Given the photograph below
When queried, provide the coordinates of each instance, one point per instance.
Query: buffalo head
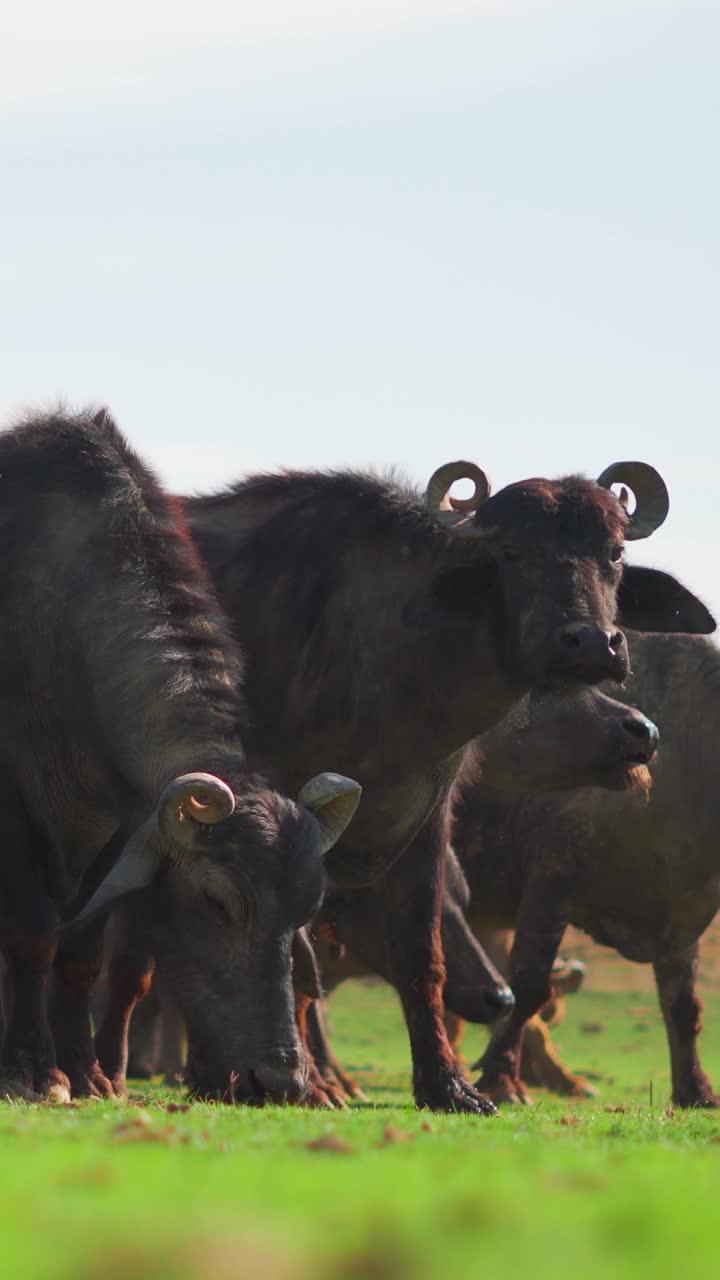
(544, 566)
(235, 873)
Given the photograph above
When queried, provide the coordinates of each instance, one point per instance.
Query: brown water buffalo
(638, 874)
(389, 628)
(123, 731)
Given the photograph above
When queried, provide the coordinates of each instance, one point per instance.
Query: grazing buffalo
(124, 724)
(641, 875)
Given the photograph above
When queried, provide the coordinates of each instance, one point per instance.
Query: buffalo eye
(617, 553)
(510, 553)
(218, 906)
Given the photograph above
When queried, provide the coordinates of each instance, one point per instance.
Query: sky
(305, 233)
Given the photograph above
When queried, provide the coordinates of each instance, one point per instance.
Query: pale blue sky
(316, 234)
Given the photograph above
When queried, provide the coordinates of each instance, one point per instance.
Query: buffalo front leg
(77, 965)
(409, 902)
(540, 1064)
(318, 1092)
(129, 979)
(327, 1064)
(539, 929)
(29, 1067)
(676, 979)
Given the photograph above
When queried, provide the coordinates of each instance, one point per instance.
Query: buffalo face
(555, 742)
(557, 557)
(231, 949)
(235, 873)
(543, 566)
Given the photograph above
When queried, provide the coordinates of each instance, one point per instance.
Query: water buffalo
(389, 628)
(123, 727)
(640, 876)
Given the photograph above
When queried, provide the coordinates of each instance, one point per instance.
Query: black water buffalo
(640, 875)
(389, 629)
(123, 729)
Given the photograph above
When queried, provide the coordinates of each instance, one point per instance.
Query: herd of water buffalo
(179, 676)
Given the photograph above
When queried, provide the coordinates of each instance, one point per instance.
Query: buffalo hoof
(52, 1086)
(504, 1090)
(453, 1094)
(336, 1083)
(316, 1097)
(118, 1084)
(336, 1096)
(91, 1083)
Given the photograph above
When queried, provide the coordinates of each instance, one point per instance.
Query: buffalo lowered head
(245, 873)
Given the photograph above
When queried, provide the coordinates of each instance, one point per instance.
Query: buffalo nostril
(645, 732)
(501, 998)
(616, 641)
(639, 728)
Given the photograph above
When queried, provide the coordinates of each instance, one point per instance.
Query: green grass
(551, 1191)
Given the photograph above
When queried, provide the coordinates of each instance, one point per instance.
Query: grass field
(618, 1186)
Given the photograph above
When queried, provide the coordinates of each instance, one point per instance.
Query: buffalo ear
(650, 600)
(136, 868)
(305, 970)
(332, 799)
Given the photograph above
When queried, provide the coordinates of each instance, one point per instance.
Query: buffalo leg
(327, 1064)
(129, 979)
(540, 1064)
(77, 965)
(29, 1067)
(173, 1036)
(681, 1006)
(539, 929)
(455, 1028)
(318, 1092)
(144, 1037)
(409, 903)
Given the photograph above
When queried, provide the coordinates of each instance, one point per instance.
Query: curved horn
(455, 512)
(651, 496)
(332, 799)
(192, 801)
